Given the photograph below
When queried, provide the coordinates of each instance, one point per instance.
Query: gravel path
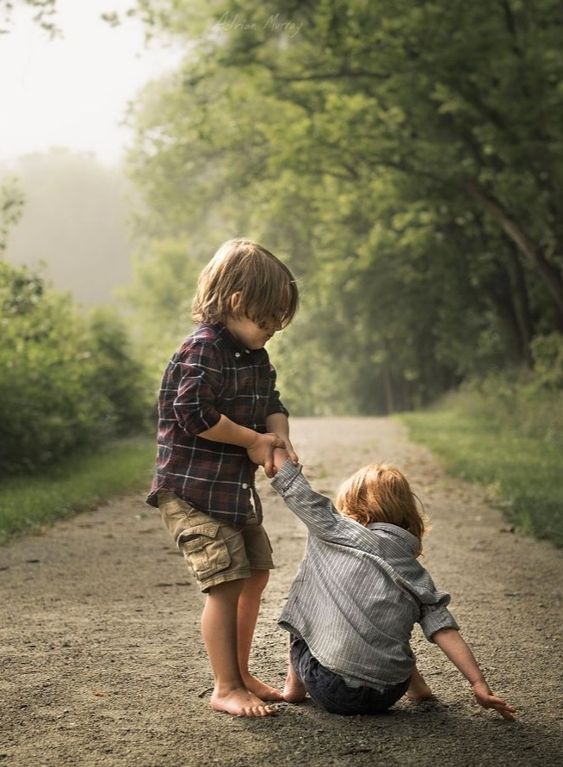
(102, 661)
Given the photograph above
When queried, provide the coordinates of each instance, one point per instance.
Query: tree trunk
(531, 250)
(387, 388)
(519, 295)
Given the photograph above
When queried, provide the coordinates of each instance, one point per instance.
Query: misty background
(74, 227)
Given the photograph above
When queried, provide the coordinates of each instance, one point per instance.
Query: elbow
(195, 422)
(436, 621)
(442, 633)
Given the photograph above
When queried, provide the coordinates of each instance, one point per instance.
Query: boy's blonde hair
(266, 290)
(381, 493)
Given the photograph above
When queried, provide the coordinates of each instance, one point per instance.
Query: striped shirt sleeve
(324, 522)
(436, 617)
(316, 511)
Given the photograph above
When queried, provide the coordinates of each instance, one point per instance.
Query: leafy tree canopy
(404, 158)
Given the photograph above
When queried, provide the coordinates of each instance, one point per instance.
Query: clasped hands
(261, 451)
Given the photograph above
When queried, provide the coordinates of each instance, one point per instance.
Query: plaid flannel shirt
(212, 374)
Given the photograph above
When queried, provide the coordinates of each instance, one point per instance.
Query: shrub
(123, 379)
(58, 379)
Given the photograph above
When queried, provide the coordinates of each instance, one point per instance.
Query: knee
(258, 581)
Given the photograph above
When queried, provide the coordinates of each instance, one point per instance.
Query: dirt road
(102, 661)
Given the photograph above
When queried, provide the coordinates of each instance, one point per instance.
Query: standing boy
(219, 416)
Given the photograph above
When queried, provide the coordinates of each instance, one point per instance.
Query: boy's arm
(316, 511)
(280, 457)
(458, 651)
(279, 424)
(260, 447)
(196, 412)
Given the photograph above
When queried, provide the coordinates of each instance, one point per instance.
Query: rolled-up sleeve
(316, 511)
(275, 405)
(199, 387)
(437, 616)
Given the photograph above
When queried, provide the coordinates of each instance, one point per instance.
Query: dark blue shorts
(330, 691)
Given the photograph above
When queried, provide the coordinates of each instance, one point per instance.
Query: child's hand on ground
(486, 699)
(261, 451)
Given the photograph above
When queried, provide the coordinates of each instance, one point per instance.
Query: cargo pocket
(174, 512)
(205, 550)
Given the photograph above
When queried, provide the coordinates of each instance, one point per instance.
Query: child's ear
(235, 303)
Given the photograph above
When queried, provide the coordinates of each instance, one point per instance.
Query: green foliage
(75, 484)
(547, 353)
(117, 373)
(62, 379)
(165, 278)
(500, 436)
(524, 400)
(404, 159)
(11, 207)
(46, 406)
(307, 386)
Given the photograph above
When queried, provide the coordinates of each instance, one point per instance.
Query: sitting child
(358, 593)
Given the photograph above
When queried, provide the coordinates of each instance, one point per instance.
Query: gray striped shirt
(359, 590)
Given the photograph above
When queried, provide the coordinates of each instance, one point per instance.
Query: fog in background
(62, 133)
(74, 227)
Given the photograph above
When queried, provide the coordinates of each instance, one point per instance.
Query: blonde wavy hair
(245, 279)
(381, 493)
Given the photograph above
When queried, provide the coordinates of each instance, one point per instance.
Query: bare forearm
(456, 649)
(230, 432)
(260, 447)
(278, 423)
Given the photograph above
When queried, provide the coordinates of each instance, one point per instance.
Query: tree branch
(531, 250)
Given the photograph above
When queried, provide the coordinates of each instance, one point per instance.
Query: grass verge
(522, 472)
(79, 483)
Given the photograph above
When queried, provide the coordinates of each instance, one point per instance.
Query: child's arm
(260, 447)
(280, 457)
(316, 511)
(196, 412)
(458, 651)
(277, 420)
(279, 424)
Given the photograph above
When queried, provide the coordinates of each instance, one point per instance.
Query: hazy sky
(73, 91)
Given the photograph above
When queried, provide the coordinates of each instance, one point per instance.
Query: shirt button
(237, 354)
(244, 486)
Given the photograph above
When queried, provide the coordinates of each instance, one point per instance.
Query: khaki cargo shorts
(215, 552)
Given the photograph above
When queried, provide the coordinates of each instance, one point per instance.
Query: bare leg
(294, 690)
(248, 608)
(418, 689)
(219, 629)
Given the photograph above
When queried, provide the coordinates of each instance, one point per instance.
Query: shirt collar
(233, 343)
(398, 532)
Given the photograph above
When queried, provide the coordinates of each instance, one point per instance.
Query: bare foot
(420, 692)
(294, 690)
(261, 689)
(418, 689)
(239, 702)
(421, 698)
